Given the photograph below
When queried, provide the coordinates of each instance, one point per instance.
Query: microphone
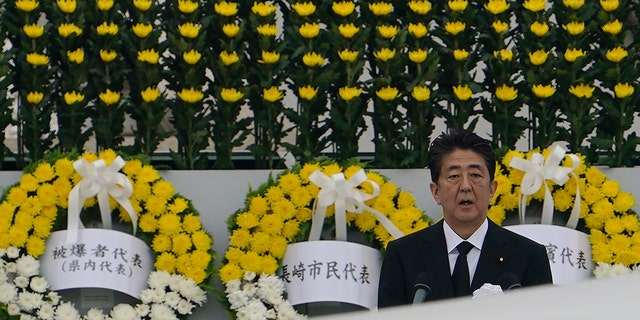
(509, 281)
(422, 288)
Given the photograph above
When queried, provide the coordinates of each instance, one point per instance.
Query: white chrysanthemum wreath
(281, 211)
(37, 205)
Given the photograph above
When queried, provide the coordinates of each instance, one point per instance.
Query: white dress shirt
(476, 239)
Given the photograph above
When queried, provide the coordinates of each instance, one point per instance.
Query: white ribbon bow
(347, 198)
(536, 173)
(103, 181)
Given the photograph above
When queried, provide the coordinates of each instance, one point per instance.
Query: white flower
(158, 295)
(21, 282)
(66, 311)
(143, 310)
(27, 266)
(270, 289)
(287, 312)
(29, 300)
(54, 297)
(46, 312)
(233, 285)
(94, 314)
(13, 252)
(13, 309)
(159, 279)
(184, 307)
(190, 290)
(249, 276)
(605, 270)
(39, 284)
(161, 312)
(254, 310)
(7, 293)
(146, 296)
(237, 299)
(172, 299)
(124, 312)
(10, 267)
(249, 289)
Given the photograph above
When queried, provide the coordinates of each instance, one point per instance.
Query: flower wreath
(37, 205)
(280, 212)
(603, 210)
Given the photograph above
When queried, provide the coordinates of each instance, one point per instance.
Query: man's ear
(494, 187)
(435, 192)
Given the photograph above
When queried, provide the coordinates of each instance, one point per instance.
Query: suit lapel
(438, 258)
(489, 264)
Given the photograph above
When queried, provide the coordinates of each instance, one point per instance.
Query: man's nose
(465, 183)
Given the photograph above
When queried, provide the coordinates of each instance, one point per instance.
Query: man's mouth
(466, 202)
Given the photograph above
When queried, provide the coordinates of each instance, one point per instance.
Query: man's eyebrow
(457, 166)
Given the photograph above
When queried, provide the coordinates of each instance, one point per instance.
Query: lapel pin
(501, 259)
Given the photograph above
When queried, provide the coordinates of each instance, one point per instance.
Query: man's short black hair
(460, 139)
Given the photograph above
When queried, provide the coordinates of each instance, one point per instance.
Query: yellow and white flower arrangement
(37, 205)
(281, 211)
(605, 210)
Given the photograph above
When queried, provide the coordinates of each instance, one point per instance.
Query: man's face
(463, 189)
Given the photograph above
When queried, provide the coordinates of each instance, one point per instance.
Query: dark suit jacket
(503, 251)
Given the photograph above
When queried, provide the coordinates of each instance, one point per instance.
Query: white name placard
(568, 250)
(331, 271)
(101, 258)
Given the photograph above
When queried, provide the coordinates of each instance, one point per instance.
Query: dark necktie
(460, 274)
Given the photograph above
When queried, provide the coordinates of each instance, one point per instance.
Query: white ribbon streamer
(102, 181)
(537, 172)
(346, 197)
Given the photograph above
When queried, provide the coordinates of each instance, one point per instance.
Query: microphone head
(509, 281)
(424, 281)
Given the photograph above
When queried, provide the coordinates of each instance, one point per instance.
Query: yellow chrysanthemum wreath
(37, 205)
(605, 210)
(280, 211)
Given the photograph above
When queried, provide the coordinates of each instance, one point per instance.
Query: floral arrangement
(37, 205)
(280, 212)
(604, 210)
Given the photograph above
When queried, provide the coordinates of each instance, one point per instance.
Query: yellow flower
(534, 5)
(503, 54)
(189, 29)
(387, 31)
(33, 30)
(418, 56)
(229, 58)
(506, 93)
(231, 95)
(539, 28)
(263, 9)
(76, 56)
(231, 30)
(460, 54)
(500, 26)
(609, 5)
(181, 243)
(616, 54)
(192, 56)
(307, 92)
(107, 28)
(457, 5)
(582, 90)
(462, 92)
(388, 93)
(348, 55)
(225, 8)
(309, 30)
(142, 30)
(109, 97)
(27, 5)
(542, 91)
(269, 30)
(269, 57)
(36, 59)
(34, 97)
(272, 94)
(304, 9)
(380, 8)
(348, 30)
(73, 97)
(623, 90)
(149, 56)
(418, 30)
(187, 6)
(420, 7)
(421, 93)
(108, 55)
(142, 5)
(150, 94)
(538, 57)
(497, 6)
(349, 93)
(105, 5)
(573, 4)
(343, 8)
(67, 6)
(612, 27)
(574, 28)
(572, 54)
(454, 27)
(312, 59)
(161, 243)
(67, 29)
(385, 54)
(190, 95)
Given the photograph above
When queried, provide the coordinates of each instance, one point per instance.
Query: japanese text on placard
(319, 270)
(100, 259)
(565, 255)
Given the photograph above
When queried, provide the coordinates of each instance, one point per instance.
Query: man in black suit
(462, 168)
